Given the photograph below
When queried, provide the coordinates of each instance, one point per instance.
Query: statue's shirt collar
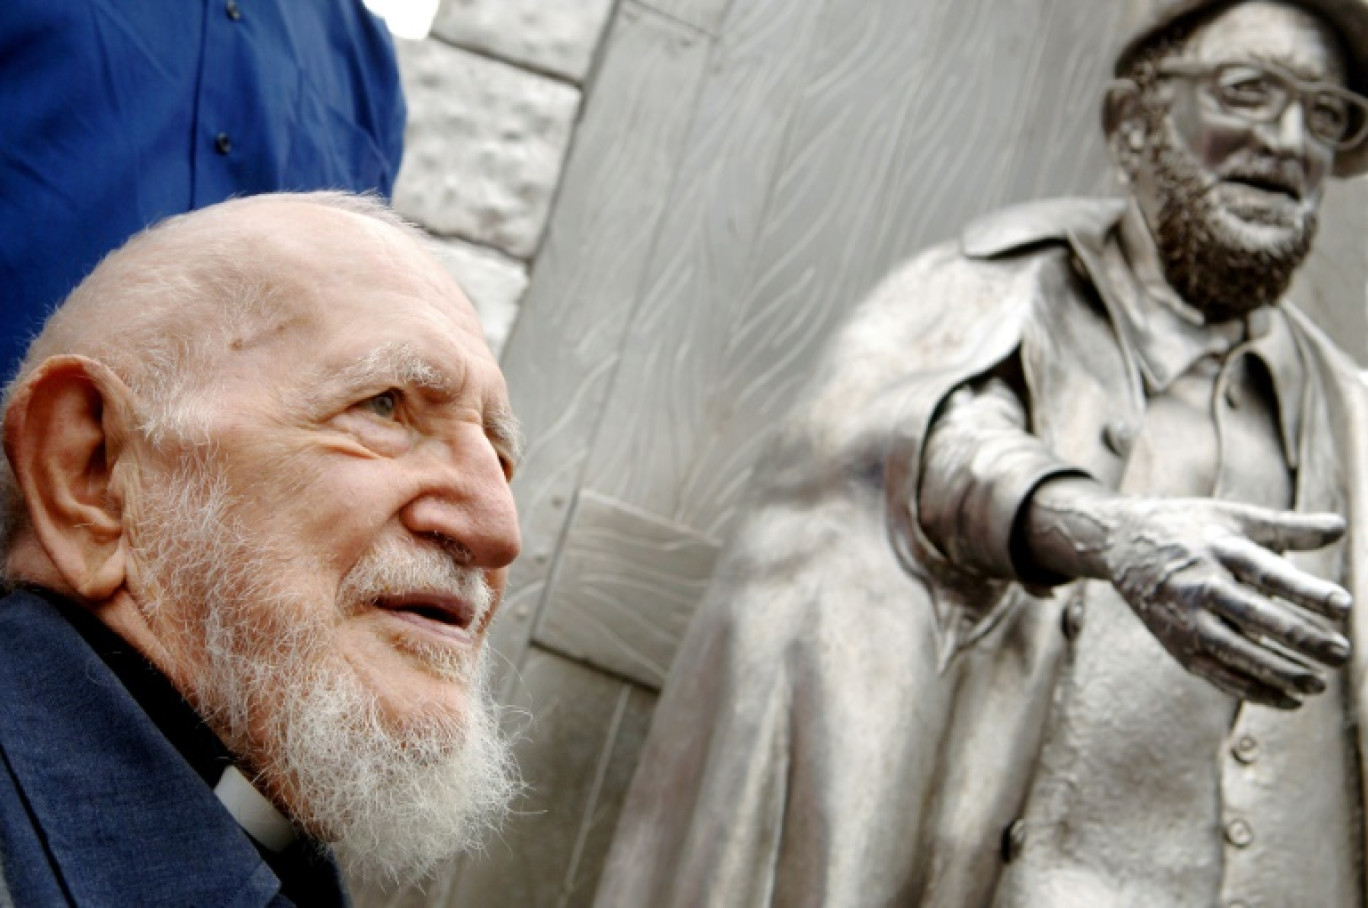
(1168, 338)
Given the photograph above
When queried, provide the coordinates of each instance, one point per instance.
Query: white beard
(393, 805)
(393, 802)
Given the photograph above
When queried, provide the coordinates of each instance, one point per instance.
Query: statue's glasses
(1260, 93)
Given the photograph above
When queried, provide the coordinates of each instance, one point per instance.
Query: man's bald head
(161, 310)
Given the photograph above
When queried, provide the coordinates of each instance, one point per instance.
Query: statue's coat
(852, 720)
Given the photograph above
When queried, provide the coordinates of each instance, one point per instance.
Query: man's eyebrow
(1304, 72)
(502, 428)
(399, 364)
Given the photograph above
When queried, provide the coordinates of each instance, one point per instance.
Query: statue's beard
(1217, 265)
(394, 802)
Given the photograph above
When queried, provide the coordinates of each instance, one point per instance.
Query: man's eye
(382, 405)
(1244, 88)
(1330, 116)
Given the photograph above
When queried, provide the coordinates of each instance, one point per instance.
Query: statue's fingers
(1279, 622)
(1276, 576)
(1245, 657)
(1284, 531)
(1240, 685)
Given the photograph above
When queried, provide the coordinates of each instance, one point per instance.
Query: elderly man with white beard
(257, 522)
(1045, 601)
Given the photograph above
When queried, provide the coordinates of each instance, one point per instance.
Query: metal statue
(1045, 600)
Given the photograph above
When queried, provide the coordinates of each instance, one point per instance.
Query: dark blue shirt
(117, 113)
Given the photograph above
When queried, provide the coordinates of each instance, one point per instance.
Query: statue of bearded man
(1044, 601)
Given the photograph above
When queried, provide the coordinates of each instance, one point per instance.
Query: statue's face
(1264, 178)
(1232, 198)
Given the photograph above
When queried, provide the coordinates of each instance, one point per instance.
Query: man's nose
(1287, 133)
(466, 499)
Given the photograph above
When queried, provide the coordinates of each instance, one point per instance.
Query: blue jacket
(97, 807)
(116, 114)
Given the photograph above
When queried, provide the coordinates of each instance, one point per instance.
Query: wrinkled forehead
(1263, 31)
(342, 286)
(328, 270)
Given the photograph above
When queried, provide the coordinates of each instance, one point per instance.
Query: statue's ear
(1123, 123)
(65, 433)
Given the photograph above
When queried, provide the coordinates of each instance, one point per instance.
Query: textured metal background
(743, 173)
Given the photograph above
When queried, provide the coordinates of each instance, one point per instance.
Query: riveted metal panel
(626, 584)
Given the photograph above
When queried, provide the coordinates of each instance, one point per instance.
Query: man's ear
(65, 431)
(1123, 123)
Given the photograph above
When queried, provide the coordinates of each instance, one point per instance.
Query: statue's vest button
(1071, 619)
(1118, 437)
(1246, 749)
(1013, 840)
(1239, 833)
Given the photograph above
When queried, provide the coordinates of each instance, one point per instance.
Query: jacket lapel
(124, 817)
(1342, 453)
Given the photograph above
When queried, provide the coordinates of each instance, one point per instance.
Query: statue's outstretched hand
(1205, 578)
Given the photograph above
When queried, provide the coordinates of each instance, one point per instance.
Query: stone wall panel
(484, 146)
(555, 36)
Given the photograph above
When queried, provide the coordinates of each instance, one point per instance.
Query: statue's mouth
(1270, 186)
(1281, 181)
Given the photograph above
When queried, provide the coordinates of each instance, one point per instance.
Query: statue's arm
(979, 468)
(1204, 575)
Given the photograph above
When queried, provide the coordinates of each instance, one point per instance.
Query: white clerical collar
(254, 812)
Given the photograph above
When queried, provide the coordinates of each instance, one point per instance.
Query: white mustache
(1278, 171)
(391, 570)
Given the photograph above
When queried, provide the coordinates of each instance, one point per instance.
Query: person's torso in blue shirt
(115, 114)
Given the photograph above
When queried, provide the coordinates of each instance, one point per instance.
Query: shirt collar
(254, 812)
(1276, 347)
(1168, 337)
